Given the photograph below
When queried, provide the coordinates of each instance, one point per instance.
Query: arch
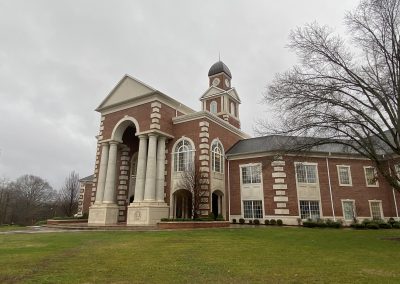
(217, 156)
(183, 154)
(122, 125)
(182, 204)
(213, 107)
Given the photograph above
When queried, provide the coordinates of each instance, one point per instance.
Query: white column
(151, 169)
(109, 192)
(141, 169)
(101, 182)
(160, 169)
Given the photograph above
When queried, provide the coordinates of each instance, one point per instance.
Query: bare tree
(345, 91)
(69, 194)
(33, 196)
(193, 181)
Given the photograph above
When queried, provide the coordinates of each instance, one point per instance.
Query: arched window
(213, 107)
(217, 155)
(183, 156)
(233, 112)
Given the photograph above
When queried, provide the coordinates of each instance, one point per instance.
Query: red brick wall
(359, 191)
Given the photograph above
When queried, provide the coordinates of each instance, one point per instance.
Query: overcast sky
(59, 59)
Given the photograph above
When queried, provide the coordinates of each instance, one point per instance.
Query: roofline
(210, 116)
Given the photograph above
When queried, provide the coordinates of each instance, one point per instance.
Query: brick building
(148, 139)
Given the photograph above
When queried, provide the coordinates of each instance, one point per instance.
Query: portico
(148, 205)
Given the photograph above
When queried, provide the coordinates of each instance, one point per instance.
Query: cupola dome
(219, 67)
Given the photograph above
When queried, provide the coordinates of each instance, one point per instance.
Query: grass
(5, 228)
(248, 255)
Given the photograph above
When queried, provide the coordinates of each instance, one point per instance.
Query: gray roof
(219, 67)
(86, 179)
(279, 143)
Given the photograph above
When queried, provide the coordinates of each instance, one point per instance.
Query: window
(183, 156)
(309, 209)
(306, 173)
(348, 210)
(233, 112)
(376, 210)
(370, 176)
(344, 175)
(252, 209)
(251, 174)
(213, 107)
(397, 169)
(217, 160)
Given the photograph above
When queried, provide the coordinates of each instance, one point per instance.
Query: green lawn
(248, 255)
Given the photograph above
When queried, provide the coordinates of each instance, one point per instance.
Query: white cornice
(146, 98)
(213, 118)
(250, 155)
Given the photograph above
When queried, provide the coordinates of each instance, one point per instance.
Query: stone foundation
(104, 214)
(146, 213)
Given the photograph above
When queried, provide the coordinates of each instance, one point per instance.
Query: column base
(146, 213)
(104, 214)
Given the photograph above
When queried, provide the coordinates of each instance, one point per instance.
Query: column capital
(161, 137)
(142, 136)
(152, 134)
(104, 143)
(113, 142)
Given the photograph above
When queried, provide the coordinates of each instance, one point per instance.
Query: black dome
(219, 67)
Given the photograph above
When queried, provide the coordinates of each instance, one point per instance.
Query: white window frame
(215, 153)
(380, 207)
(214, 107)
(251, 176)
(366, 179)
(307, 164)
(319, 208)
(191, 155)
(252, 207)
(348, 172)
(354, 209)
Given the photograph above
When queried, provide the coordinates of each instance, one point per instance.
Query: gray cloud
(59, 59)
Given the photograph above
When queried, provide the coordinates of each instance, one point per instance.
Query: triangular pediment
(128, 88)
(211, 92)
(232, 92)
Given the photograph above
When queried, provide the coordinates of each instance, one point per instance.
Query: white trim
(213, 118)
(365, 176)
(380, 207)
(307, 164)
(174, 150)
(118, 132)
(216, 140)
(249, 155)
(354, 208)
(348, 172)
(260, 184)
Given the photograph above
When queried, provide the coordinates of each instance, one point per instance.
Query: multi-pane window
(344, 175)
(213, 107)
(376, 210)
(183, 156)
(217, 160)
(306, 173)
(251, 174)
(252, 209)
(309, 209)
(348, 210)
(370, 176)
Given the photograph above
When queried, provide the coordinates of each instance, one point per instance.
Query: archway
(182, 204)
(216, 199)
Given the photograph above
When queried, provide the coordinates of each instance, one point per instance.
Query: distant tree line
(30, 199)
